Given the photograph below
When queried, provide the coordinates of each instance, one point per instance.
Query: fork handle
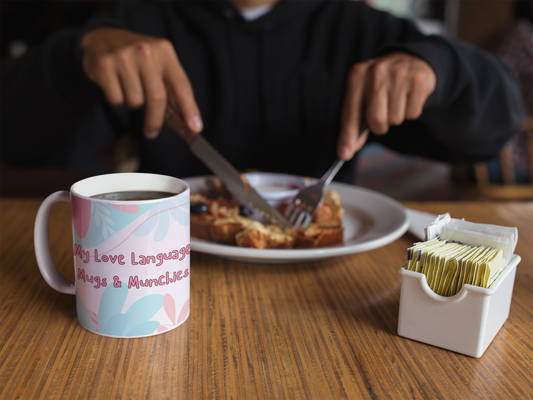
(328, 176)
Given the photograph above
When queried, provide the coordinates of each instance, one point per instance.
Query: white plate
(371, 220)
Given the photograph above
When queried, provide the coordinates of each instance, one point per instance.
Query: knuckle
(399, 73)
(379, 74)
(380, 68)
(164, 45)
(121, 57)
(419, 79)
(143, 48)
(102, 65)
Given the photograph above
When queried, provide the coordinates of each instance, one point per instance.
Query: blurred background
(503, 27)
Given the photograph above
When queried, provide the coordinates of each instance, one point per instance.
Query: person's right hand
(138, 70)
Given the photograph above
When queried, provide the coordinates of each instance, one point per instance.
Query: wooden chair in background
(509, 189)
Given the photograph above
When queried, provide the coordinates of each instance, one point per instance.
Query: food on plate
(217, 217)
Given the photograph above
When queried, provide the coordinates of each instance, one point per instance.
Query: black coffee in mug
(133, 196)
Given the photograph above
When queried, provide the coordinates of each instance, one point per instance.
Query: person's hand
(382, 92)
(138, 70)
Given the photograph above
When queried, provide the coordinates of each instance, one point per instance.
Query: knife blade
(202, 149)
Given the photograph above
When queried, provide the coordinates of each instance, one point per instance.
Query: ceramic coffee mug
(131, 245)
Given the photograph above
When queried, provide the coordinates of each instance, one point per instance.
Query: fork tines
(299, 214)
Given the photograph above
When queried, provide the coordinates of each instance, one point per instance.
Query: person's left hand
(382, 92)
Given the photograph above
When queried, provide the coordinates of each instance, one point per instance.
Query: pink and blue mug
(131, 247)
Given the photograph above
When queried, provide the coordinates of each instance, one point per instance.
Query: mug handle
(42, 246)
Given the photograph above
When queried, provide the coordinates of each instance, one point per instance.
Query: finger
(417, 96)
(174, 122)
(155, 96)
(180, 87)
(422, 84)
(352, 112)
(130, 80)
(397, 98)
(107, 78)
(377, 99)
(361, 139)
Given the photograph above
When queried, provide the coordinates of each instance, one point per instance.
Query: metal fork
(300, 211)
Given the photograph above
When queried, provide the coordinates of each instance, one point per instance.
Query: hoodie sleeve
(45, 97)
(31, 94)
(475, 109)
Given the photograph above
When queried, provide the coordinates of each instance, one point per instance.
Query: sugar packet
(459, 252)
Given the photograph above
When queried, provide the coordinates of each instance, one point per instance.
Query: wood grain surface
(314, 330)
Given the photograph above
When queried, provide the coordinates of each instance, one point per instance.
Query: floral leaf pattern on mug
(136, 321)
(116, 325)
(144, 310)
(106, 220)
(102, 218)
(111, 303)
(184, 312)
(170, 307)
(158, 218)
(181, 215)
(83, 314)
(81, 215)
(146, 328)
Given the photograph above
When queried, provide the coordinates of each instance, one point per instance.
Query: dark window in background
(26, 24)
(437, 9)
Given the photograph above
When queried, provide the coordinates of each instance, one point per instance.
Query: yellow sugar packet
(424, 253)
(451, 287)
(442, 259)
(473, 264)
(490, 268)
(448, 266)
(466, 265)
(447, 282)
(414, 252)
(451, 265)
(434, 260)
(476, 279)
(456, 265)
(431, 261)
(459, 252)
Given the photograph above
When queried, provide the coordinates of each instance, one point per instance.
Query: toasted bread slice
(220, 222)
(217, 221)
(262, 236)
(318, 235)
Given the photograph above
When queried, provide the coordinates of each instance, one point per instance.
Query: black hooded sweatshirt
(270, 91)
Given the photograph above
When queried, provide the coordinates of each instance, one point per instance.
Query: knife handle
(174, 121)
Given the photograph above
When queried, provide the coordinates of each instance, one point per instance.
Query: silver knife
(223, 169)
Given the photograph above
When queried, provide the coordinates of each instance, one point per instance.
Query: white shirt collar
(249, 14)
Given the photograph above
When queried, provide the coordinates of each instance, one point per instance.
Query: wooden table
(316, 330)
